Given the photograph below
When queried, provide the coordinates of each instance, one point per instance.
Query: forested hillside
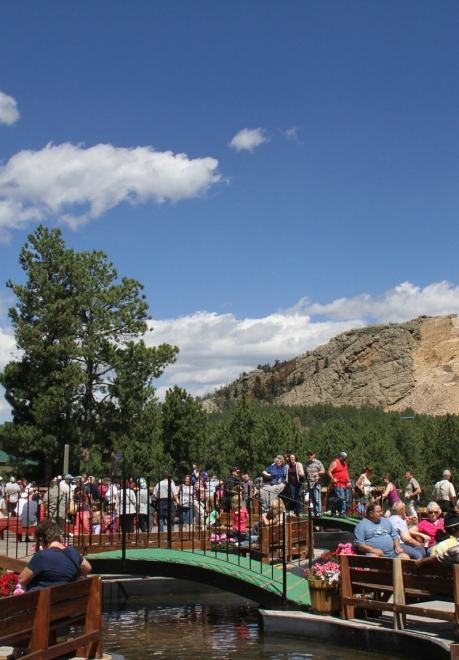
(251, 435)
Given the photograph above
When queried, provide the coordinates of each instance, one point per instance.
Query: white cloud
(5, 411)
(216, 348)
(291, 133)
(75, 184)
(404, 301)
(9, 113)
(248, 139)
(8, 350)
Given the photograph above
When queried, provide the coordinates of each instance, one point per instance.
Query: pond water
(205, 625)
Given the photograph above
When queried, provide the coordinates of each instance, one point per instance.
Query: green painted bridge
(261, 582)
(342, 523)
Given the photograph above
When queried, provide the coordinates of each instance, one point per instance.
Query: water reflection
(203, 625)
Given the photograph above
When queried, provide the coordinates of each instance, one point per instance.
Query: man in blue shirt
(375, 537)
(276, 472)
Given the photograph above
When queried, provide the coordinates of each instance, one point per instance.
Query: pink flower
(328, 572)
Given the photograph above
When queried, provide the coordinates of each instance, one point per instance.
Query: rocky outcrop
(396, 366)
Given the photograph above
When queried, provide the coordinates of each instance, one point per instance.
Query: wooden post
(347, 611)
(454, 650)
(456, 601)
(66, 460)
(93, 619)
(399, 593)
(40, 631)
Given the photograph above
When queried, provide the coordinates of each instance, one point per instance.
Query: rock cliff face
(396, 366)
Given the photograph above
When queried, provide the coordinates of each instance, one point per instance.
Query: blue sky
(350, 194)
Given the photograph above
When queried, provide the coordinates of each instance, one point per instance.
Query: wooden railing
(369, 583)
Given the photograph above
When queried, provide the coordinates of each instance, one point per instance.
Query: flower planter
(325, 598)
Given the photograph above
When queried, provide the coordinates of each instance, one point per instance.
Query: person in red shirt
(340, 482)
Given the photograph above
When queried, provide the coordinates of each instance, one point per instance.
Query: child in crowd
(239, 517)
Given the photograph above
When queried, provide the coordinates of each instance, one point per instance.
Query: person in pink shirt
(429, 527)
(239, 517)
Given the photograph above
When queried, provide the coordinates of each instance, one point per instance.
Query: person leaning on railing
(55, 562)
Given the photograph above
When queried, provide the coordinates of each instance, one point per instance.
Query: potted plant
(8, 584)
(323, 581)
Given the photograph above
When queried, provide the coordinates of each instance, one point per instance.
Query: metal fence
(256, 526)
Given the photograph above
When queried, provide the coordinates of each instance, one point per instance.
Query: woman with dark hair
(295, 478)
(55, 562)
(390, 494)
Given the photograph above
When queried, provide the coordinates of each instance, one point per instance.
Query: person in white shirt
(128, 509)
(165, 494)
(12, 490)
(413, 548)
(444, 493)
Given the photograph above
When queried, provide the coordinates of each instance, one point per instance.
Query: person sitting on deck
(375, 537)
(451, 555)
(451, 527)
(428, 528)
(268, 519)
(277, 472)
(266, 493)
(411, 546)
(55, 563)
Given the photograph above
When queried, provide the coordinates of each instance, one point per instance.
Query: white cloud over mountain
(405, 301)
(216, 348)
(9, 113)
(247, 139)
(75, 184)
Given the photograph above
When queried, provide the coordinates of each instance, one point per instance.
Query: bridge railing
(254, 528)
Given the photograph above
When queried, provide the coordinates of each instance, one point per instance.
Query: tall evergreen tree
(74, 324)
(185, 430)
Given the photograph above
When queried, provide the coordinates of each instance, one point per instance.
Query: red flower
(8, 582)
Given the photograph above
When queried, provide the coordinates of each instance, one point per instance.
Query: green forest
(86, 377)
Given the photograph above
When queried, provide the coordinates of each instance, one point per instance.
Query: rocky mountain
(395, 366)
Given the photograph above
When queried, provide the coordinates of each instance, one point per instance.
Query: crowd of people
(105, 505)
(389, 524)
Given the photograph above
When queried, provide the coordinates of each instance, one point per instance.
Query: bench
(272, 541)
(370, 582)
(298, 538)
(33, 620)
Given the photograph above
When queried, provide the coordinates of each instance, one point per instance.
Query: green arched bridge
(258, 581)
(342, 523)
